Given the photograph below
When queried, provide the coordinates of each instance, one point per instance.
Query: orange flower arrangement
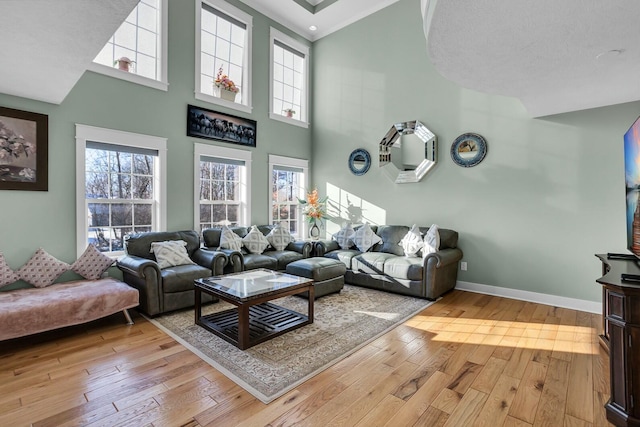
(313, 207)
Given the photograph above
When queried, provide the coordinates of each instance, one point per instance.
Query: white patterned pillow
(412, 242)
(364, 238)
(7, 275)
(344, 237)
(230, 240)
(42, 269)
(171, 253)
(431, 240)
(92, 263)
(279, 238)
(254, 241)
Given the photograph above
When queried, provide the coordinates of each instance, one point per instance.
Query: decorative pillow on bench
(7, 275)
(92, 263)
(42, 269)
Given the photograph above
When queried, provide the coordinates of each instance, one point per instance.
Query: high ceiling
(555, 56)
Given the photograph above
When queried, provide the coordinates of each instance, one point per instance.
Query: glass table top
(252, 283)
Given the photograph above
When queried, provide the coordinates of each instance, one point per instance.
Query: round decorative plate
(359, 161)
(468, 149)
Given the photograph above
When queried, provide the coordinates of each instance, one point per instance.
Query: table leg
(311, 298)
(243, 326)
(198, 303)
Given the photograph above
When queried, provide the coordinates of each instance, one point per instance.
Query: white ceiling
(555, 56)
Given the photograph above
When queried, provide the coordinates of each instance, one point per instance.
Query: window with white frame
(223, 54)
(287, 184)
(222, 190)
(289, 79)
(138, 49)
(121, 186)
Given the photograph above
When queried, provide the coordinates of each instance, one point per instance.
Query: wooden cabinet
(621, 333)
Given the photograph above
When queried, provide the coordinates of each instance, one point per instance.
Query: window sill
(289, 120)
(223, 102)
(123, 75)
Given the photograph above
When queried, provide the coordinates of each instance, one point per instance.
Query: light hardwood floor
(468, 360)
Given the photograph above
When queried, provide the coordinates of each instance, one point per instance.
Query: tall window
(138, 47)
(223, 48)
(120, 186)
(221, 186)
(288, 183)
(289, 79)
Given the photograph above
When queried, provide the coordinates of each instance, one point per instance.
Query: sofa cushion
(343, 255)
(412, 242)
(448, 238)
(42, 269)
(279, 238)
(409, 268)
(254, 241)
(370, 262)
(365, 238)
(317, 268)
(391, 236)
(255, 261)
(283, 258)
(7, 275)
(180, 277)
(344, 236)
(92, 263)
(230, 240)
(171, 253)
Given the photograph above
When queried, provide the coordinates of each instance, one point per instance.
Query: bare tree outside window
(219, 194)
(285, 190)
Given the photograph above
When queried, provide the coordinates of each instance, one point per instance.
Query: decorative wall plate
(359, 161)
(468, 149)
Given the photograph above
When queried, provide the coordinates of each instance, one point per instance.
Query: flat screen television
(632, 185)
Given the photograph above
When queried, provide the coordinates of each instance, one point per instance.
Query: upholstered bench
(327, 273)
(32, 310)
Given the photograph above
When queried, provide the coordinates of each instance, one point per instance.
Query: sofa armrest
(440, 272)
(235, 259)
(301, 247)
(444, 257)
(144, 275)
(325, 246)
(213, 260)
(137, 266)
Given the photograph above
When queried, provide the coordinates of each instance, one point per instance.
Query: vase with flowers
(123, 63)
(224, 87)
(289, 112)
(314, 208)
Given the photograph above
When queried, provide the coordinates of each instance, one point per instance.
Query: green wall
(29, 220)
(531, 216)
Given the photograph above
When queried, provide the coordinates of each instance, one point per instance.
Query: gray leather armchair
(171, 288)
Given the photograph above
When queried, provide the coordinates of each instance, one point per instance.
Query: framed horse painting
(24, 140)
(208, 124)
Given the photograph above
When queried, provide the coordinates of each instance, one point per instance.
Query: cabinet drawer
(615, 305)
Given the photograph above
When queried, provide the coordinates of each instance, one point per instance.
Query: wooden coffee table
(254, 320)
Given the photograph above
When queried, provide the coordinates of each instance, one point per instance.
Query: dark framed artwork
(208, 124)
(24, 140)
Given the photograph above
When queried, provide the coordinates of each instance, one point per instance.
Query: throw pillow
(364, 238)
(230, 240)
(92, 263)
(412, 242)
(279, 237)
(7, 275)
(42, 269)
(254, 241)
(171, 253)
(431, 240)
(344, 237)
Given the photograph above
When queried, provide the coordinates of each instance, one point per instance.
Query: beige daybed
(29, 311)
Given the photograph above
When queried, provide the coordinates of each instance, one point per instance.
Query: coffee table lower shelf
(266, 321)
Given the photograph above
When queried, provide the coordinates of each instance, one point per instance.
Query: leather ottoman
(327, 274)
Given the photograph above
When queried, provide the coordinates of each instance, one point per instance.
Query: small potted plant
(225, 87)
(289, 112)
(123, 63)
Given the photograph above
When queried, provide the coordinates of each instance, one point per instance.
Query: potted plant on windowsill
(123, 63)
(289, 112)
(224, 87)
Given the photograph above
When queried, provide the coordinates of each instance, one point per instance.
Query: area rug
(343, 323)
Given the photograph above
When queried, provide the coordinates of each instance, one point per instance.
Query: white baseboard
(554, 300)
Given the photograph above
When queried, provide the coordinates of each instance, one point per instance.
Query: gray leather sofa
(171, 288)
(243, 260)
(385, 267)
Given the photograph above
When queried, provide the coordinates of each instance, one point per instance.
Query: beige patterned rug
(343, 323)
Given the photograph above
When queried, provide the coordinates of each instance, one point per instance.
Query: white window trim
(223, 153)
(86, 133)
(275, 160)
(236, 13)
(163, 83)
(294, 44)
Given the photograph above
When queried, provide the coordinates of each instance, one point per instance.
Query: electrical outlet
(463, 266)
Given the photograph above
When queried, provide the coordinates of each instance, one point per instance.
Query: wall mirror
(408, 152)
(359, 161)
